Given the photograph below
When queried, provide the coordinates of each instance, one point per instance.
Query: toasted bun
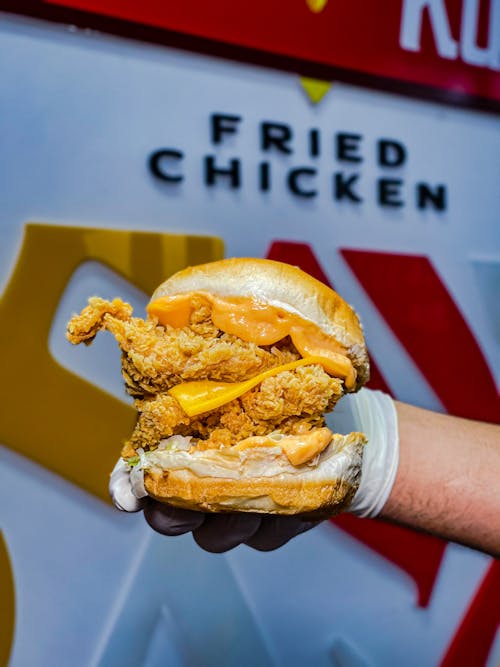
(283, 286)
(317, 491)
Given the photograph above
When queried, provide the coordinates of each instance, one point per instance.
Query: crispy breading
(83, 328)
(156, 357)
(291, 401)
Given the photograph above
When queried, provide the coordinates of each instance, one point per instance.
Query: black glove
(220, 532)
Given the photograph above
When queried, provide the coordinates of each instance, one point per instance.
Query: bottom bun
(260, 481)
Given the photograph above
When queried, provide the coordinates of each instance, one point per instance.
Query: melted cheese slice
(205, 395)
(260, 323)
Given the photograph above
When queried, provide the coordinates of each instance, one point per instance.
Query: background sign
(452, 46)
(82, 116)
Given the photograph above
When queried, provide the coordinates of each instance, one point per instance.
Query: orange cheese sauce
(260, 323)
(297, 448)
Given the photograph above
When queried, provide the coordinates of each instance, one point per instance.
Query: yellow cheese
(259, 323)
(205, 395)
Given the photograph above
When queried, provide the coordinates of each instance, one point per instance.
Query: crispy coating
(291, 401)
(156, 357)
(83, 328)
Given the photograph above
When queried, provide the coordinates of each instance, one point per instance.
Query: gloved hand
(371, 412)
(213, 532)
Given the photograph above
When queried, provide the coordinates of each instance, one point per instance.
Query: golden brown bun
(320, 491)
(280, 285)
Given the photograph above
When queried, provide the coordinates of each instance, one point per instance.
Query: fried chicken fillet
(155, 358)
(210, 347)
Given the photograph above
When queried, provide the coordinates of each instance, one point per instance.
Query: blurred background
(360, 141)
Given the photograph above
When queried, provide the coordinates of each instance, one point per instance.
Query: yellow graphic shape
(49, 414)
(316, 6)
(7, 603)
(315, 89)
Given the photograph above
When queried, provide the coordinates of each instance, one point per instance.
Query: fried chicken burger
(232, 372)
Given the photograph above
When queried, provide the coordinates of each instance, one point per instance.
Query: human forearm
(428, 471)
(448, 479)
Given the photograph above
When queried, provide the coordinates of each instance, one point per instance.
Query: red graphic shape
(298, 254)
(377, 379)
(353, 37)
(301, 255)
(412, 299)
(473, 640)
(418, 555)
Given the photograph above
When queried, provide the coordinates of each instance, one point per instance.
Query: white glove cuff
(375, 415)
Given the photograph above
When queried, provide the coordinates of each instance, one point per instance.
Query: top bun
(283, 286)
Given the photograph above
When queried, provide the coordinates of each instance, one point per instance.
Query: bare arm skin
(447, 484)
(448, 480)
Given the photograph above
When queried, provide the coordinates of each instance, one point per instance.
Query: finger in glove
(120, 489)
(275, 531)
(221, 532)
(171, 521)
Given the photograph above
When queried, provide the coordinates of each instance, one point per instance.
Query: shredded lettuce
(133, 461)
